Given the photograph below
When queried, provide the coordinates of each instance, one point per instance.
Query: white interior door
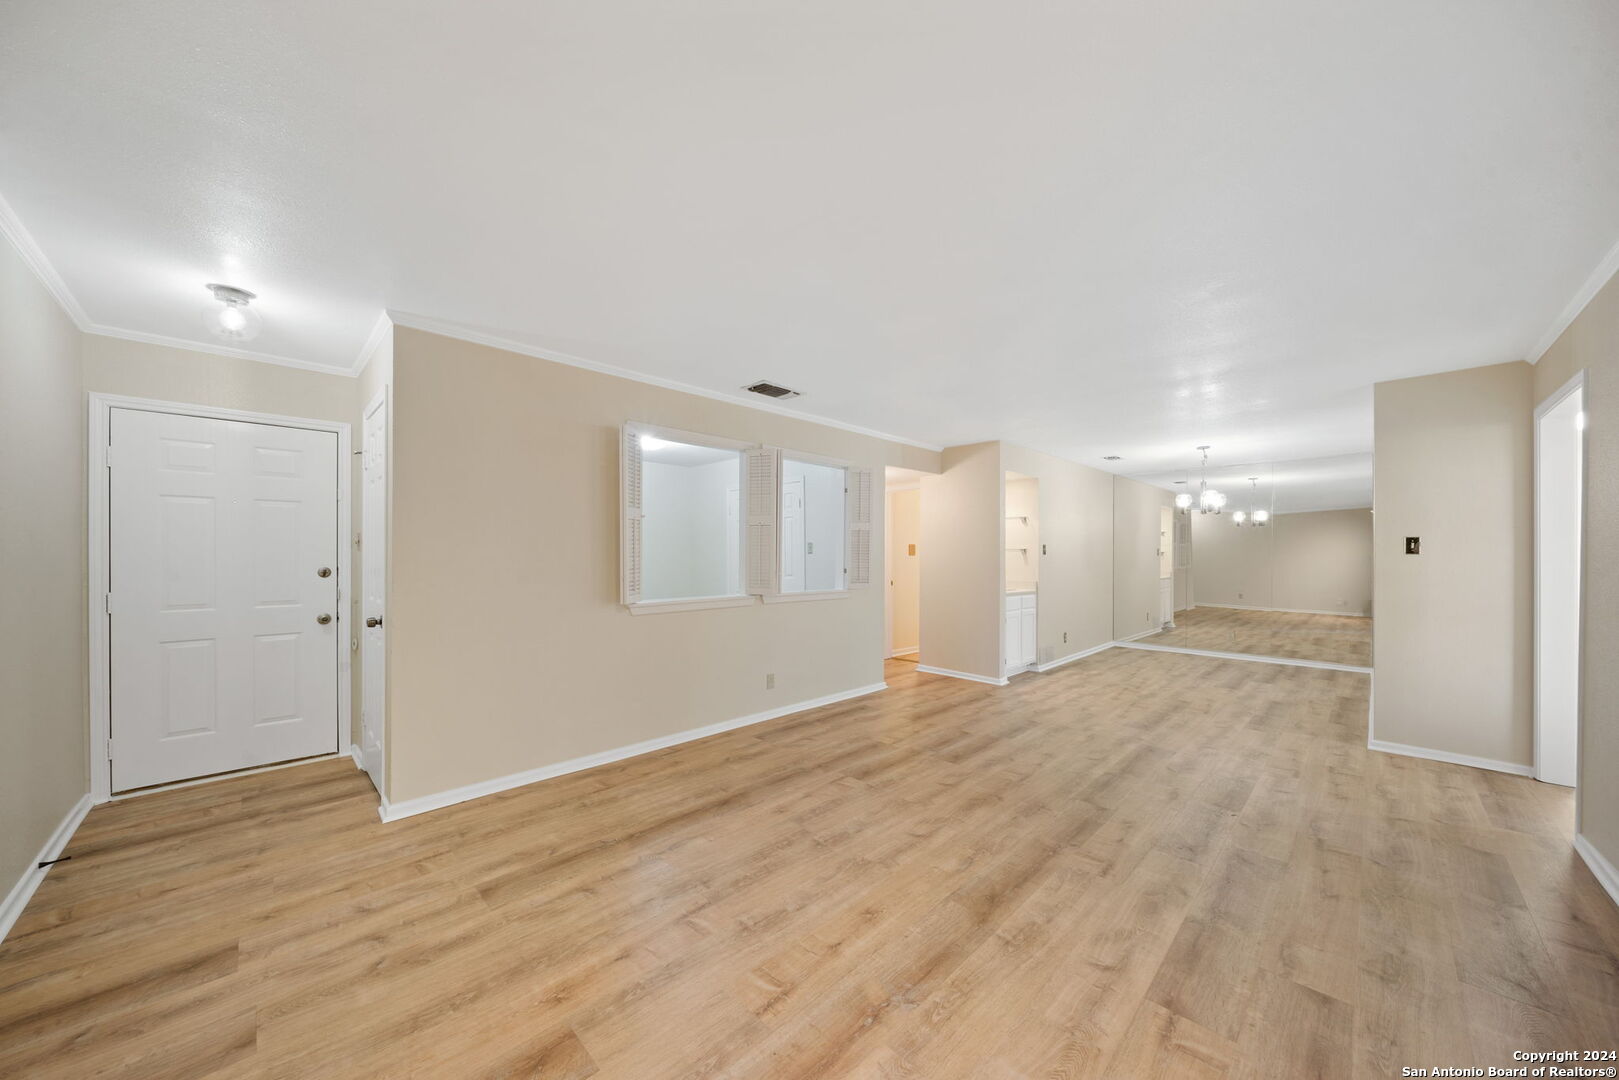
(219, 531)
(1559, 462)
(792, 536)
(373, 588)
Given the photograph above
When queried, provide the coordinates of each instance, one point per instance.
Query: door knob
(323, 619)
(373, 620)
(325, 571)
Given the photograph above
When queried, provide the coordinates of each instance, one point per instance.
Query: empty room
(900, 541)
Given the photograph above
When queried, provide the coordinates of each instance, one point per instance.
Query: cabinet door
(1027, 635)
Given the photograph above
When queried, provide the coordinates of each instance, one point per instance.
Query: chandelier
(1255, 514)
(1209, 500)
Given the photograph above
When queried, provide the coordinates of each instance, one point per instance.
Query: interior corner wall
(1453, 637)
(1591, 344)
(509, 649)
(963, 560)
(1136, 527)
(1076, 569)
(43, 722)
(1318, 560)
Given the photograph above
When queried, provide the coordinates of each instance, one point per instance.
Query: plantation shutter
(857, 551)
(763, 549)
(630, 524)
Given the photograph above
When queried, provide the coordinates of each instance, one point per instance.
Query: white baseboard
(1137, 637)
(23, 891)
(903, 652)
(1607, 876)
(1453, 759)
(1288, 610)
(969, 676)
(1287, 661)
(354, 752)
(1071, 657)
(421, 805)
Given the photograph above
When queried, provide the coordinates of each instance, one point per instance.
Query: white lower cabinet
(1018, 642)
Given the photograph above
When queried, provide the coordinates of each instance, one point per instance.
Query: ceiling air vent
(771, 390)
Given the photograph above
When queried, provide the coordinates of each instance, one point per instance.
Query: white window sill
(794, 597)
(658, 607)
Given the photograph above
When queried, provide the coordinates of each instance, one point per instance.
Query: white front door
(220, 531)
(373, 588)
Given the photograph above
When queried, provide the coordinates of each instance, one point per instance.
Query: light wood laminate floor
(1336, 639)
(1141, 864)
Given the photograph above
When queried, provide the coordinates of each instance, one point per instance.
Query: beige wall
(1314, 561)
(962, 565)
(1075, 607)
(1591, 344)
(1452, 638)
(1136, 524)
(509, 649)
(963, 540)
(42, 599)
(1022, 531)
(904, 568)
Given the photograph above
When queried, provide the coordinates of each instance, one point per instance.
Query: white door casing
(374, 588)
(1559, 501)
(217, 532)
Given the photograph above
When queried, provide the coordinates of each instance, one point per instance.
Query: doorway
(903, 532)
(216, 571)
(374, 589)
(1559, 509)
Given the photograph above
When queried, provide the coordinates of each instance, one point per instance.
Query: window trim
(701, 603)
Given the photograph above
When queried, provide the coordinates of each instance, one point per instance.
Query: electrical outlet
(1065, 637)
(770, 681)
(1239, 596)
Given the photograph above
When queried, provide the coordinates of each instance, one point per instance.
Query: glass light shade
(1261, 517)
(230, 316)
(1212, 501)
(1183, 500)
(1240, 518)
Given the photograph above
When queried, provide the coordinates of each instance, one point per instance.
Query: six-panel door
(220, 531)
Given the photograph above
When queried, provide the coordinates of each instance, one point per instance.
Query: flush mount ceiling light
(1209, 501)
(229, 317)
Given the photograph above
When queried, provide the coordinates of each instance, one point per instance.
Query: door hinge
(109, 749)
(108, 456)
(109, 603)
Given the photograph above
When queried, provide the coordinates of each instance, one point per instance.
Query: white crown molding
(410, 807)
(379, 330)
(480, 337)
(23, 890)
(34, 256)
(216, 350)
(1604, 272)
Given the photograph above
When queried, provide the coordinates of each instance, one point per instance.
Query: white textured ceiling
(1090, 228)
